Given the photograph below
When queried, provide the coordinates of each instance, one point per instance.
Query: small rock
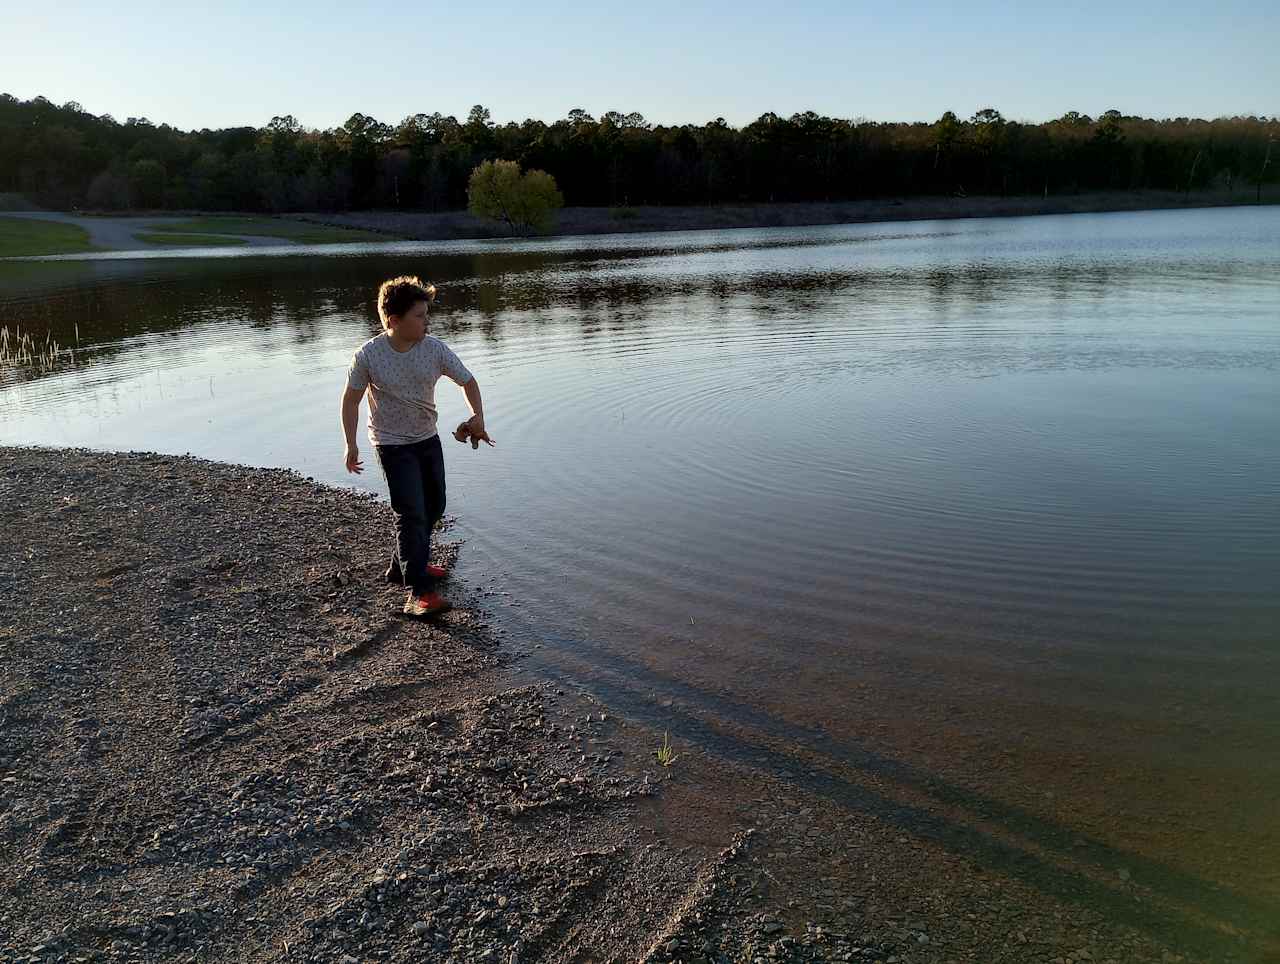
(421, 928)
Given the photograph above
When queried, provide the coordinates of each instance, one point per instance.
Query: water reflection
(798, 275)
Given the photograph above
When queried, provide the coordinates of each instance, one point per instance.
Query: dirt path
(121, 234)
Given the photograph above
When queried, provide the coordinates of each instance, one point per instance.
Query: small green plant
(666, 753)
(526, 202)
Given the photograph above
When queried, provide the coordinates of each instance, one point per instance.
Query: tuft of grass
(666, 753)
(21, 350)
(187, 240)
(300, 232)
(25, 237)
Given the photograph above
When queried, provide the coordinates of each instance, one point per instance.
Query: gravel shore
(220, 741)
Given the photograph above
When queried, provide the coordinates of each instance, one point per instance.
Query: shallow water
(989, 508)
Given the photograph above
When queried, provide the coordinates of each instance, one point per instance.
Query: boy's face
(412, 325)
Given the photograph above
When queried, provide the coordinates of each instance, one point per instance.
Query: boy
(399, 369)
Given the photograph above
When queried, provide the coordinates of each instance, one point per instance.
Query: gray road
(119, 234)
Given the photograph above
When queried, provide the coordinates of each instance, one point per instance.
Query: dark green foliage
(64, 157)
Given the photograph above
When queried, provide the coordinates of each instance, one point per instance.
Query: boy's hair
(398, 295)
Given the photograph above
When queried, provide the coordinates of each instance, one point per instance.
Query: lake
(986, 512)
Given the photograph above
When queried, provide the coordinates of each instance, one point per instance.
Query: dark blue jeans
(415, 480)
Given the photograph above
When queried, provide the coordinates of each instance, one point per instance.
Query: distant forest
(64, 157)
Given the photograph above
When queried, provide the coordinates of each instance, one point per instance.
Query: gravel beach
(220, 741)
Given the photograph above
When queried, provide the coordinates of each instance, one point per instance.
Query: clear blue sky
(235, 63)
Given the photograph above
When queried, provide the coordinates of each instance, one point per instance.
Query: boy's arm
(350, 416)
(472, 390)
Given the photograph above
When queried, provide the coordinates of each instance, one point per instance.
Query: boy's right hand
(353, 460)
(466, 432)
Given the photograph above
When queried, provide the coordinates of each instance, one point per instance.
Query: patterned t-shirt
(402, 386)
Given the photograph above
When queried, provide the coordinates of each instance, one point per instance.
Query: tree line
(64, 157)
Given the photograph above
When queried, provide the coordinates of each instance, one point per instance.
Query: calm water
(984, 512)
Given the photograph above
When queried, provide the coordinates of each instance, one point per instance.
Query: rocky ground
(220, 741)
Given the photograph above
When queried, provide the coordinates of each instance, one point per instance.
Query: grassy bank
(26, 236)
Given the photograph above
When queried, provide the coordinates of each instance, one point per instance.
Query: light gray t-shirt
(402, 386)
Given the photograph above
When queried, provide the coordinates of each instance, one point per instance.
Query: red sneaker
(428, 604)
(393, 574)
